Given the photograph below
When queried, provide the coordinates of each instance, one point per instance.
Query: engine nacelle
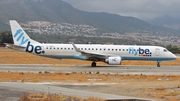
(113, 60)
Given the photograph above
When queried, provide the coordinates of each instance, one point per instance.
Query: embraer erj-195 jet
(110, 54)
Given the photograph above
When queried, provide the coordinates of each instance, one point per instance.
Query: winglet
(77, 50)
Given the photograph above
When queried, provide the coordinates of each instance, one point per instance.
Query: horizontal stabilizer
(16, 47)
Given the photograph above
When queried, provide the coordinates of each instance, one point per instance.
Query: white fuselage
(126, 52)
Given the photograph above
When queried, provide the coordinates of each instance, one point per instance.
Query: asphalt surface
(15, 89)
(35, 87)
(146, 70)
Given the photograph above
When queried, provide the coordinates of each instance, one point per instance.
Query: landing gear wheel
(93, 64)
(158, 64)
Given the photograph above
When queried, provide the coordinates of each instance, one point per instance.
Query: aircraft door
(157, 51)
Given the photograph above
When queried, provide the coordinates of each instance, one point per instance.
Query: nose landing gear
(158, 63)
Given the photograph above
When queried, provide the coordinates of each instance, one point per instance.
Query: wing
(92, 55)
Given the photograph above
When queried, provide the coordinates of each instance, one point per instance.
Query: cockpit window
(165, 50)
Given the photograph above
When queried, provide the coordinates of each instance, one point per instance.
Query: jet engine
(113, 60)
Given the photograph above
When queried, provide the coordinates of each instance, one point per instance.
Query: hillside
(167, 21)
(59, 11)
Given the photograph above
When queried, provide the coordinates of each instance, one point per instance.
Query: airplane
(110, 54)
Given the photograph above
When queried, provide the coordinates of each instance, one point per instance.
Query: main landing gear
(93, 64)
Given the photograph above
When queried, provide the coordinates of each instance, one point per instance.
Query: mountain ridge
(58, 11)
(167, 21)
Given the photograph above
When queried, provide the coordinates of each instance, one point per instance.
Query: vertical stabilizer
(20, 37)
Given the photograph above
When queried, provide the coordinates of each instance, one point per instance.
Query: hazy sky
(143, 9)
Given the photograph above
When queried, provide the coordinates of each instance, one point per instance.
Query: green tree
(5, 37)
(169, 47)
(173, 49)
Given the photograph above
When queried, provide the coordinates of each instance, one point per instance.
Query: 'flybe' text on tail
(20, 37)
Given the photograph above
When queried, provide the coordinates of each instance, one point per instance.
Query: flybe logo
(19, 37)
(36, 49)
(140, 52)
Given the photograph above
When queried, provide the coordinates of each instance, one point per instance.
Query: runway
(120, 69)
(9, 87)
